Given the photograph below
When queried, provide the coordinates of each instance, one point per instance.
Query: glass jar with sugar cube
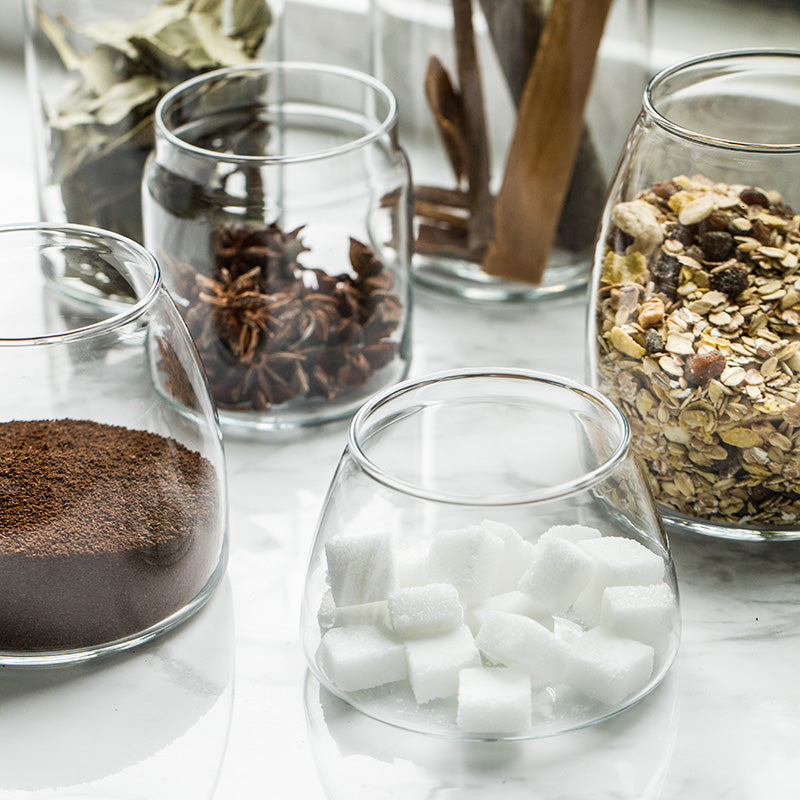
(489, 562)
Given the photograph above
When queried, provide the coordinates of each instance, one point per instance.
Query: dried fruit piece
(702, 367)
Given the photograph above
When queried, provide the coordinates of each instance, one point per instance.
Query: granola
(698, 341)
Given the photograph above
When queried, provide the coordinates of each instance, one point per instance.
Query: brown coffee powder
(104, 531)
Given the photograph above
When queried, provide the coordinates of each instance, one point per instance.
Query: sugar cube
(619, 561)
(572, 533)
(516, 641)
(494, 701)
(411, 564)
(422, 610)
(514, 602)
(644, 613)
(330, 615)
(469, 559)
(360, 568)
(559, 572)
(517, 555)
(608, 668)
(360, 657)
(435, 661)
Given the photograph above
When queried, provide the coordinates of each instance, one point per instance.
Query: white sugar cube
(572, 533)
(608, 668)
(331, 616)
(435, 661)
(360, 568)
(559, 572)
(411, 564)
(514, 602)
(619, 561)
(422, 610)
(644, 613)
(517, 555)
(360, 657)
(517, 641)
(469, 559)
(494, 701)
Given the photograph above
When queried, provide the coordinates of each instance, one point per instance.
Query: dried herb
(458, 222)
(102, 130)
(270, 330)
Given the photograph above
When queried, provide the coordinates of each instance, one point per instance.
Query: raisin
(666, 270)
(702, 367)
(716, 245)
(717, 220)
(753, 197)
(664, 189)
(761, 232)
(732, 280)
(683, 233)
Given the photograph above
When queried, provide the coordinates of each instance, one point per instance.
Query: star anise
(270, 330)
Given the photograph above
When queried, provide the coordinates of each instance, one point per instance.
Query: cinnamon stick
(515, 28)
(546, 140)
(477, 165)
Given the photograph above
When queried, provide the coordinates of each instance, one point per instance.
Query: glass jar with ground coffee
(113, 510)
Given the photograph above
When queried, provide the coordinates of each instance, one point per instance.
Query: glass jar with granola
(695, 308)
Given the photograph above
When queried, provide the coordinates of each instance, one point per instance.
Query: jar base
(53, 658)
(675, 522)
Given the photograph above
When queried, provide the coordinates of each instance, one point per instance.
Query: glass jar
(277, 203)
(469, 564)
(96, 71)
(459, 71)
(113, 519)
(695, 308)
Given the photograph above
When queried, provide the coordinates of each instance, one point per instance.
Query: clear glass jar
(114, 512)
(695, 308)
(96, 70)
(459, 108)
(479, 527)
(277, 203)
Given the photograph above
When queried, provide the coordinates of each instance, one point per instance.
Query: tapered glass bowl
(113, 509)
(489, 563)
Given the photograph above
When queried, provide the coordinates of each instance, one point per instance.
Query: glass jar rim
(379, 89)
(743, 55)
(130, 313)
(558, 491)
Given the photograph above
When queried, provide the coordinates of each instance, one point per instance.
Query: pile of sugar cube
(483, 615)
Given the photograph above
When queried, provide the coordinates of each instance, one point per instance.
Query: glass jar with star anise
(277, 201)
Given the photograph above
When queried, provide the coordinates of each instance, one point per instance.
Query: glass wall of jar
(513, 114)
(479, 529)
(695, 309)
(96, 71)
(277, 201)
(113, 518)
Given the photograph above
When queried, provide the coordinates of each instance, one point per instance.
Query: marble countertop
(222, 708)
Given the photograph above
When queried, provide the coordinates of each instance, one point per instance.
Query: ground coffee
(104, 531)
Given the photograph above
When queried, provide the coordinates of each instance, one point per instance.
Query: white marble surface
(222, 708)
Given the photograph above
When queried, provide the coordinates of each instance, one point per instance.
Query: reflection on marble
(150, 724)
(624, 758)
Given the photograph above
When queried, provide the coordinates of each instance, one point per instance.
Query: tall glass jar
(460, 72)
(113, 508)
(277, 201)
(96, 71)
(695, 308)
